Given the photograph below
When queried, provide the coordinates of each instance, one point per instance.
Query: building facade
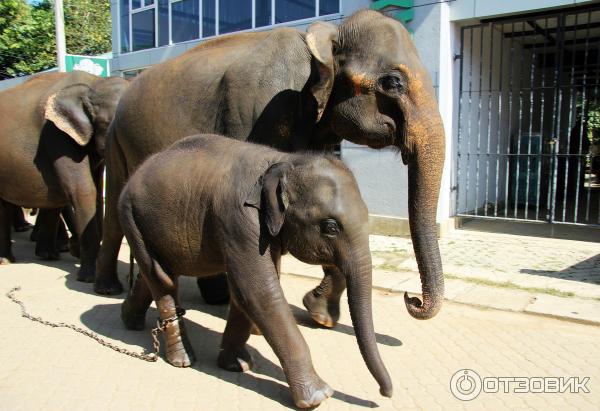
(510, 110)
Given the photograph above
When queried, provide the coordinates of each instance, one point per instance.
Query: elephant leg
(75, 176)
(107, 281)
(84, 206)
(69, 218)
(267, 307)
(214, 290)
(163, 288)
(6, 255)
(62, 237)
(178, 349)
(19, 222)
(135, 306)
(233, 355)
(323, 302)
(47, 228)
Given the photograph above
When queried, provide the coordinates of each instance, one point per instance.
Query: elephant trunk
(359, 282)
(424, 176)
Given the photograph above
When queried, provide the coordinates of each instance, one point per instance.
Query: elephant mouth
(385, 138)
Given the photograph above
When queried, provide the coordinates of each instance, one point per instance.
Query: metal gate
(529, 118)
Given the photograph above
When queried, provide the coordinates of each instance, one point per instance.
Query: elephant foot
(7, 260)
(180, 358)
(73, 247)
(323, 311)
(108, 287)
(48, 255)
(214, 290)
(86, 274)
(238, 360)
(23, 227)
(132, 320)
(311, 394)
(63, 245)
(179, 352)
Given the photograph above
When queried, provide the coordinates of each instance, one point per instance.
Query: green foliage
(27, 39)
(593, 122)
(88, 26)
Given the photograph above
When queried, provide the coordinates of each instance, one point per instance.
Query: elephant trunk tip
(386, 390)
(422, 310)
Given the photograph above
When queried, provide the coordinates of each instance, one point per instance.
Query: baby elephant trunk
(358, 275)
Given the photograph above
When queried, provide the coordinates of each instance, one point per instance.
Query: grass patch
(512, 286)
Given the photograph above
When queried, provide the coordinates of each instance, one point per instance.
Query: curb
(478, 305)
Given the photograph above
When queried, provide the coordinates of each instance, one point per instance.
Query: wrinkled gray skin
(192, 224)
(52, 139)
(362, 81)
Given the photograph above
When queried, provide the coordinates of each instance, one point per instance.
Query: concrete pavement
(542, 276)
(43, 368)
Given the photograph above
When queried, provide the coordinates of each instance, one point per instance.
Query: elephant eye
(330, 227)
(391, 84)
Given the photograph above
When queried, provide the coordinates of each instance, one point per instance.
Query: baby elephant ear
(269, 196)
(70, 110)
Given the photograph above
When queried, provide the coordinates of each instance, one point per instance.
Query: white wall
(471, 9)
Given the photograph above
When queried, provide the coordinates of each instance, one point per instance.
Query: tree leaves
(27, 39)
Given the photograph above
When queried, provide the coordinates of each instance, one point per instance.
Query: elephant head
(84, 111)
(314, 209)
(373, 90)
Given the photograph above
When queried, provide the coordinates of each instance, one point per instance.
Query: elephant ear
(71, 111)
(320, 39)
(269, 196)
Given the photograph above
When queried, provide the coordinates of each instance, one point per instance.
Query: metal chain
(150, 357)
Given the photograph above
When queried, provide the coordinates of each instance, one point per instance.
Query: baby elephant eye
(391, 84)
(330, 227)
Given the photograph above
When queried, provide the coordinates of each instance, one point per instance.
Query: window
(151, 23)
(329, 7)
(209, 26)
(289, 10)
(124, 34)
(234, 15)
(142, 30)
(263, 12)
(163, 22)
(185, 20)
(131, 74)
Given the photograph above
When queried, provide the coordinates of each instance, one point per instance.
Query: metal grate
(529, 118)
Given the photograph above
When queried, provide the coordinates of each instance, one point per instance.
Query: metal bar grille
(528, 145)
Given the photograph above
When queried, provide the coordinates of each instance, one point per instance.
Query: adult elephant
(362, 81)
(52, 140)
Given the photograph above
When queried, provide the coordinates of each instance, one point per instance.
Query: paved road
(42, 368)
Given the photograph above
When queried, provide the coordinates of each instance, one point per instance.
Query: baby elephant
(210, 204)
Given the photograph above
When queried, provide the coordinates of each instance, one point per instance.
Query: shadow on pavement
(587, 271)
(304, 319)
(190, 298)
(105, 320)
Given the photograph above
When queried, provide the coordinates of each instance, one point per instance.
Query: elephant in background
(50, 234)
(52, 142)
(362, 81)
(238, 207)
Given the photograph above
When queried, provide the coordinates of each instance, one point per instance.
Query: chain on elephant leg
(178, 350)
